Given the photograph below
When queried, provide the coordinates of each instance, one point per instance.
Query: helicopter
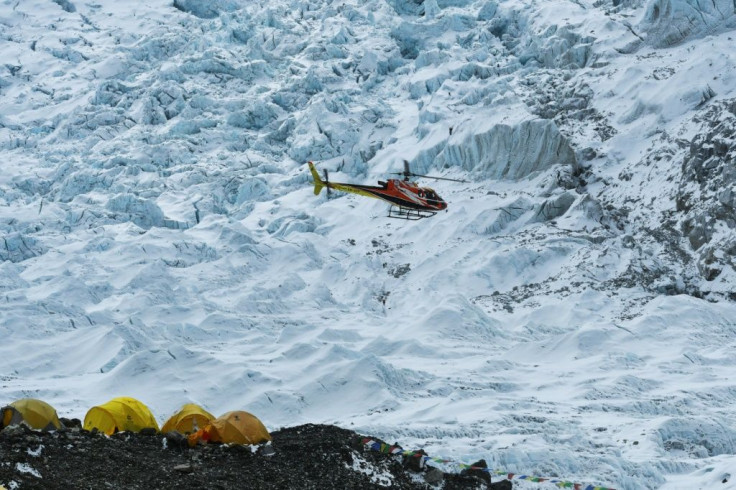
(407, 200)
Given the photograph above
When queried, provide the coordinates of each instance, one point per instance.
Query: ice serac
(66, 5)
(501, 150)
(668, 22)
(17, 247)
(143, 212)
(204, 10)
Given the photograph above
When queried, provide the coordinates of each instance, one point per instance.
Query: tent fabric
(190, 418)
(36, 414)
(120, 414)
(236, 427)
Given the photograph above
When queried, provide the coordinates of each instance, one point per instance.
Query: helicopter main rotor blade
(408, 173)
(438, 178)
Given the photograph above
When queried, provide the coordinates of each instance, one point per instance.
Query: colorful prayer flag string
(387, 449)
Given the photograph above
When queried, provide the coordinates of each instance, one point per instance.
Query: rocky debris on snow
(707, 192)
(570, 105)
(307, 456)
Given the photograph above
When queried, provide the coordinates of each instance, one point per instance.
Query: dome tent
(190, 418)
(36, 414)
(236, 427)
(120, 414)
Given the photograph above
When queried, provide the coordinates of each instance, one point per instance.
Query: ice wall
(668, 22)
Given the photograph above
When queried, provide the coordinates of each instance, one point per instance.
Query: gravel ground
(303, 457)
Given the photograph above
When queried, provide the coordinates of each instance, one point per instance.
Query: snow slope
(569, 316)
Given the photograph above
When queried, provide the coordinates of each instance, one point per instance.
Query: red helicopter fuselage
(397, 192)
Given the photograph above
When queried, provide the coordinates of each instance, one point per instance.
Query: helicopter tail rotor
(327, 182)
(318, 183)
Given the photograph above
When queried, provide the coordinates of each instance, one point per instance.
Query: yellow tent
(35, 413)
(236, 427)
(189, 419)
(120, 414)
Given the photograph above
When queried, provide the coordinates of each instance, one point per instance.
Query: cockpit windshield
(431, 195)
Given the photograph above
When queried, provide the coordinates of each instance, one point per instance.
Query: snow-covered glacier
(571, 315)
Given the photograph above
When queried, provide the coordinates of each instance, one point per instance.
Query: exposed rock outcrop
(707, 193)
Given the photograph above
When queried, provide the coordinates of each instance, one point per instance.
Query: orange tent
(236, 427)
(189, 419)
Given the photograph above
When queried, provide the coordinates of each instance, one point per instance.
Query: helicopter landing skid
(400, 212)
